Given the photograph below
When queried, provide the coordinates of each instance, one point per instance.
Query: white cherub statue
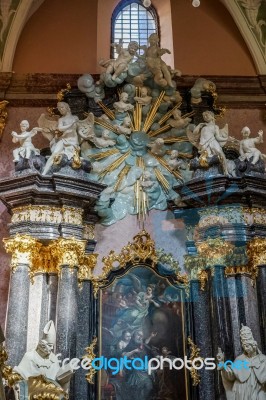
(125, 128)
(119, 65)
(248, 148)
(122, 105)
(144, 99)
(174, 162)
(177, 121)
(24, 139)
(157, 147)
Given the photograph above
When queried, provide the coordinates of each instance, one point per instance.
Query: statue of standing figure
(247, 383)
(24, 139)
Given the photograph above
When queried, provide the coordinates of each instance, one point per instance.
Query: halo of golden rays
(137, 124)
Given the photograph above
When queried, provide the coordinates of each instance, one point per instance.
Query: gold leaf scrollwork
(214, 249)
(90, 355)
(194, 353)
(62, 92)
(3, 116)
(41, 388)
(140, 250)
(87, 267)
(7, 372)
(203, 278)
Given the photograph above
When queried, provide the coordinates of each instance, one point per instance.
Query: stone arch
(246, 14)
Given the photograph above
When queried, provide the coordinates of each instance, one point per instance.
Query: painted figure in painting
(142, 318)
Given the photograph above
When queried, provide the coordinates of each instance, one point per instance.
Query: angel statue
(159, 69)
(209, 138)
(249, 381)
(24, 139)
(116, 67)
(62, 134)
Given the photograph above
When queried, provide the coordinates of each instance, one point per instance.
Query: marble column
(17, 314)
(24, 250)
(221, 323)
(261, 290)
(67, 309)
(233, 295)
(248, 306)
(86, 330)
(201, 310)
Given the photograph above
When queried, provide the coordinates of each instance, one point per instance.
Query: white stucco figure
(157, 147)
(144, 99)
(24, 139)
(42, 360)
(248, 148)
(62, 134)
(125, 127)
(159, 69)
(174, 162)
(103, 141)
(176, 120)
(248, 382)
(209, 138)
(119, 65)
(123, 105)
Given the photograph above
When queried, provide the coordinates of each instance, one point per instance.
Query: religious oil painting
(142, 318)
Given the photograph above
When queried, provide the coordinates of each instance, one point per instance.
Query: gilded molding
(194, 353)
(47, 214)
(24, 250)
(3, 116)
(90, 354)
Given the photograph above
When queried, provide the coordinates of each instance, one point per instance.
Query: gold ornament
(24, 250)
(194, 353)
(91, 356)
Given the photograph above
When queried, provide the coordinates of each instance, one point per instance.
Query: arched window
(131, 21)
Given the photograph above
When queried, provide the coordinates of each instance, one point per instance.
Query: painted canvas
(142, 317)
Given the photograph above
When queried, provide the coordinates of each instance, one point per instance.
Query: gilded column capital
(24, 249)
(86, 269)
(256, 251)
(69, 252)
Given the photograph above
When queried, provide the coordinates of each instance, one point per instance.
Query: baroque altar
(127, 143)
